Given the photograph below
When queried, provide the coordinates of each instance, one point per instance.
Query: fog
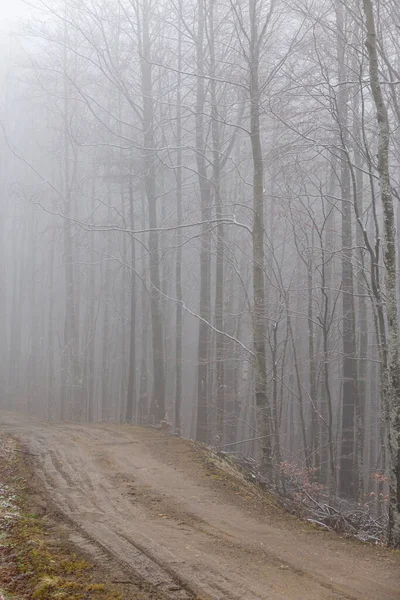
(197, 225)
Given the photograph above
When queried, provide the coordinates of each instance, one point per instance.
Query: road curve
(181, 530)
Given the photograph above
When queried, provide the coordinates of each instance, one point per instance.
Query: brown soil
(167, 522)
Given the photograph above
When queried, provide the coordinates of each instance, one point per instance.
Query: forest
(198, 229)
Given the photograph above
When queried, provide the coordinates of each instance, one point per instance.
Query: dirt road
(150, 510)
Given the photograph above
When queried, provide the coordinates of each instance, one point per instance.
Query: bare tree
(390, 354)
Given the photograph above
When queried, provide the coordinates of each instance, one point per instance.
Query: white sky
(10, 12)
(11, 8)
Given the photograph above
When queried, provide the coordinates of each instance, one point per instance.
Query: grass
(33, 564)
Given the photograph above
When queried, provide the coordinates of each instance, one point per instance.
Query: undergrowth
(296, 491)
(33, 565)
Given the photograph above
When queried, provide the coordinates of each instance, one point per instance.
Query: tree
(263, 405)
(348, 484)
(202, 430)
(390, 371)
(150, 173)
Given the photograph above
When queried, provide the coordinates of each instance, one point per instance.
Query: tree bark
(179, 241)
(219, 275)
(131, 391)
(150, 173)
(391, 363)
(348, 475)
(262, 401)
(202, 432)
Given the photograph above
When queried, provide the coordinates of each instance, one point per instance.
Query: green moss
(96, 587)
(36, 566)
(54, 572)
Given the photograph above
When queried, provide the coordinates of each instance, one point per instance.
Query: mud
(151, 511)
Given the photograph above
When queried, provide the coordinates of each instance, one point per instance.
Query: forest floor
(148, 516)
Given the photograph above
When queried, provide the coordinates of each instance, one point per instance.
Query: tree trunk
(219, 276)
(362, 328)
(106, 404)
(179, 240)
(70, 390)
(131, 392)
(142, 409)
(391, 364)
(348, 475)
(262, 401)
(51, 412)
(314, 442)
(150, 173)
(202, 432)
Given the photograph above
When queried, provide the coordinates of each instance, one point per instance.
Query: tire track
(145, 506)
